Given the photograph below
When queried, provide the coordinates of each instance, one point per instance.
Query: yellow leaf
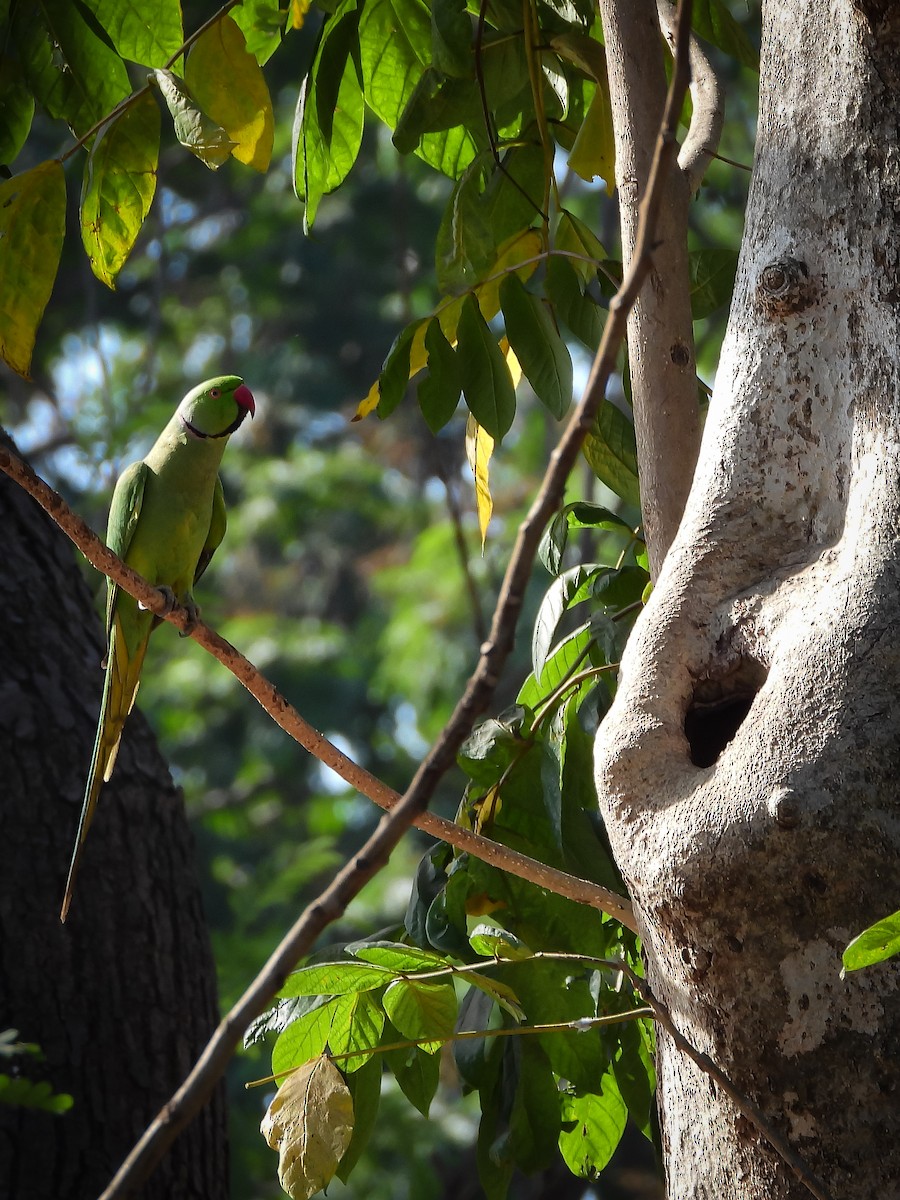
(479, 448)
(310, 1124)
(32, 226)
(515, 367)
(594, 151)
(228, 85)
(516, 254)
(299, 9)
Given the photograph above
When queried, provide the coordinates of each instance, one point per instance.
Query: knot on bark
(784, 287)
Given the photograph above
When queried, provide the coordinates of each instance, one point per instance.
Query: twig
(286, 716)
(332, 902)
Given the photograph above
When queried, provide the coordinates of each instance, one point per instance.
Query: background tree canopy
(471, 244)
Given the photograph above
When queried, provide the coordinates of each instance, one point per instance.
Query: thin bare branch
(332, 902)
(289, 719)
(660, 331)
(708, 102)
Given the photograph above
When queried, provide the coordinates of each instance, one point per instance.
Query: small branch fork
(332, 902)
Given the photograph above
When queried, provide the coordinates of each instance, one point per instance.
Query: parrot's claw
(170, 598)
(193, 612)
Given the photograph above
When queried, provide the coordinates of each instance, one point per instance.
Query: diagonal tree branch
(289, 719)
(332, 902)
(708, 100)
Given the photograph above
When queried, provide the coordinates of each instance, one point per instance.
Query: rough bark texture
(122, 997)
(749, 769)
(660, 335)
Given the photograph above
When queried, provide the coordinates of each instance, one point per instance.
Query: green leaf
(577, 311)
(263, 23)
(562, 663)
(493, 744)
(477, 1059)
(612, 454)
(72, 72)
(874, 945)
(417, 1074)
(329, 122)
(593, 1125)
(713, 21)
(486, 382)
(396, 956)
(149, 32)
(535, 1119)
(229, 87)
(305, 1038)
(438, 393)
(335, 979)
(579, 515)
(32, 225)
(493, 942)
(542, 354)
(635, 1076)
(16, 110)
(712, 280)
(119, 184)
(357, 1026)
(422, 1010)
(365, 1092)
(19, 1092)
(394, 377)
(451, 38)
(193, 128)
(575, 238)
(569, 589)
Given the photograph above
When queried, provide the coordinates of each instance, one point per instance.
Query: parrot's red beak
(244, 397)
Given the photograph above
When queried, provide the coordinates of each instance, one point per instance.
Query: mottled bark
(749, 769)
(122, 997)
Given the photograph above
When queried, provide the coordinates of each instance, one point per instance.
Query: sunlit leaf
(310, 1124)
(305, 1038)
(874, 945)
(541, 352)
(148, 32)
(479, 448)
(492, 941)
(119, 184)
(32, 225)
(262, 23)
(594, 151)
(592, 1128)
(578, 515)
(193, 128)
(228, 85)
(422, 1010)
(335, 979)
(357, 1026)
(298, 10)
(329, 121)
(396, 956)
(569, 589)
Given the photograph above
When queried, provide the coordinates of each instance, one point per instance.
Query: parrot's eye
(215, 393)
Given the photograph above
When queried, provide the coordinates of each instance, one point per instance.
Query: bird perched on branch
(166, 520)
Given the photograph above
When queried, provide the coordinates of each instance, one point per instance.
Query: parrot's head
(216, 408)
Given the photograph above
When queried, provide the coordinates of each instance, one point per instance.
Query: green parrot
(166, 519)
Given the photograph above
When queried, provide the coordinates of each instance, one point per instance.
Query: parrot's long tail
(123, 674)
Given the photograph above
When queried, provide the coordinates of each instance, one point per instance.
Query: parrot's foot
(170, 598)
(193, 612)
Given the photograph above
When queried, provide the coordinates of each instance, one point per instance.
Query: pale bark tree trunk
(122, 997)
(749, 771)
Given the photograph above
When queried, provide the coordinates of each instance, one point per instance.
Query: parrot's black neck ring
(198, 433)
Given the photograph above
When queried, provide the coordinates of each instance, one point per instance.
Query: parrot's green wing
(124, 512)
(217, 523)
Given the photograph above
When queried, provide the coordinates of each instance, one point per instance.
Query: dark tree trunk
(122, 996)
